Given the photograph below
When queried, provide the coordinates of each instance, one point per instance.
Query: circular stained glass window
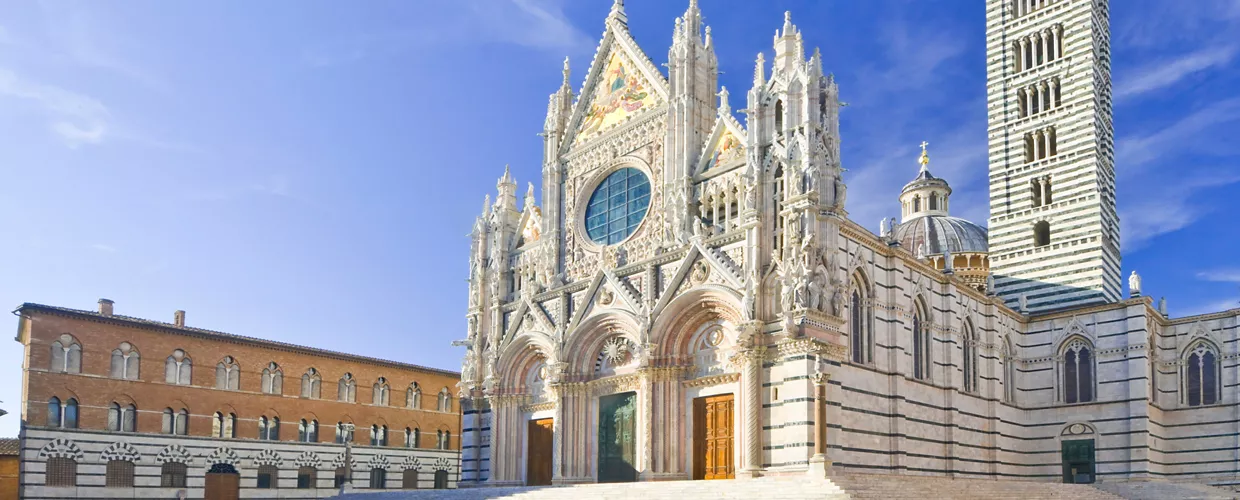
(618, 205)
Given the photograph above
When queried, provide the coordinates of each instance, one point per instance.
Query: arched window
(1035, 193)
(273, 379)
(269, 429)
(378, 478)
(122, 418)
(413, 396)
(861, 315)
(1201, 375)
(1041, 233)
(779, 116)
(176, 422)
(268, 476)
(445, 400)
(916, 203)
(970, 357)
(124, 362)
(441, 479)
(311, 384)
(378, 435)
(439, 440)
(228, 374)
(307, 477)
(379, 392)
(172, 475)
(66, 355)
(61, 471)
(408, 438)
(921, 342)
(347, 389)
(54, 417)
(303, 429)
(344, 434)
(119, 474)
(1078, 372)
(934, 201)
(71, 414)
(224, 426)
(1009, 371)
(447, 440)
(178, 368)
(409, 479)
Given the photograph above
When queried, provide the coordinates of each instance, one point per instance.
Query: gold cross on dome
(925, 158)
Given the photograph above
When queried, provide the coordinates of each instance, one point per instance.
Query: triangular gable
(530, 227)
(622, 83)
(726, 147)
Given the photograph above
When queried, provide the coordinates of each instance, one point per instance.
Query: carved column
(819, 464)
(557, 432)
(645, 418)
(751, 388)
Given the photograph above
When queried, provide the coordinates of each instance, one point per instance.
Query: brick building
(8, 468)
(114, 402)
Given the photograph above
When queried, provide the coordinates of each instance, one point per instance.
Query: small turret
(507, 187)
(788, 47)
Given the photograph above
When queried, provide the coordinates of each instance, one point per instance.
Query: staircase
(904, 487)
(798, 488)
(1158, 490)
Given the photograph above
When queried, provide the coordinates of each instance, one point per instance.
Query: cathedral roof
(936, 234)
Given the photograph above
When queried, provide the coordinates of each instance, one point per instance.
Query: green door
(617, 457)
(1078, 461)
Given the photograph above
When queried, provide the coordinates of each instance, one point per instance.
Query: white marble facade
(845, 351)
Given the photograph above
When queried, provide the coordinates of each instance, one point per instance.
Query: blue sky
(307, 171)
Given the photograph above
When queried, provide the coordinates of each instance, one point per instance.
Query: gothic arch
(587, 340)
(267, 457)
(120, 450)
(677, 323)
(60, 448)
(515, 356)
(175, 453)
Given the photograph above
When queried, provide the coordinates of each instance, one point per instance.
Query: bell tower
(1054, 229)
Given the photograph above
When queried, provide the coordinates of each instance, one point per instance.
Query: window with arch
(921, 341)
(308, 431)
(780, 182)
(61, 471)
(447, 441)
(122, 418)
(172, 475)
(124, 362)
(970, 360)
(118, 474)
(307, 477)
(934, 201)
(779, 116)
(379, 392)
(413, 396)
(1201, 375)
(176, 422)
(1009, 372)
(438, 440)
(378, 478)
(1078, 372)
(346, 390)
(1041, 233)
(378, 435)
(445, 400)
(66, 355)
(178, 368)
(64, 415)
(228, 374)
(273, 379)
(916, 203)
(224, 426)
(344, 434)
(269, 429)
(860, 328)
(268, 476)
(409, 479)
(311, 384)
(411, 438)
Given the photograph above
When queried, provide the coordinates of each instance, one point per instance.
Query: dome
(937, 234)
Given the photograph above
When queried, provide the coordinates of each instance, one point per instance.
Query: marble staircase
(908, 487)
(774, 488)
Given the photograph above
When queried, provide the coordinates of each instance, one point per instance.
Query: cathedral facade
(691, 301)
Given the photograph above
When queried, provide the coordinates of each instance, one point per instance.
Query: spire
(486, 205)
(566, 74)
(787, 22)
(617, 13)
(759, 71)
(506, 179)
(724, 107)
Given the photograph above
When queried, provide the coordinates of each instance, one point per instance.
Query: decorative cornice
(724, 378)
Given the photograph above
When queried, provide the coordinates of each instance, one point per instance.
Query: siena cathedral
(689, 299)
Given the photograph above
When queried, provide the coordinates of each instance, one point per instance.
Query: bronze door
(713, 437)
(538, 464)
(617, 428)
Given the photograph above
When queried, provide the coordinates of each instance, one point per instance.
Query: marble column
(645, 419)
(751, 390)
(819, 464)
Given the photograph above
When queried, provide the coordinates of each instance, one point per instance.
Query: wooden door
(1078, 461)
(713, 437)
(617, 438)
(538, 463)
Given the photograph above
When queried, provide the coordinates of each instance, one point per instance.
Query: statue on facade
(815, 292)
(1134, 285)
(882, 228)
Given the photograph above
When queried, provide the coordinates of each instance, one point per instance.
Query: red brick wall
(95, 391)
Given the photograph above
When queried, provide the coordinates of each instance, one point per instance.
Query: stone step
(911, 487)
(766, 488)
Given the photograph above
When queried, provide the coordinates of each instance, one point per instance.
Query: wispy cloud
(1225, 275)
(79, 35)
(1171, 209)
(77, 119)
(104, 248)
(535, 24)
(1138, 150)
(1213, 306)
(1163, 74)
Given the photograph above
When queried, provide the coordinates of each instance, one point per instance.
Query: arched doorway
(441, 479)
